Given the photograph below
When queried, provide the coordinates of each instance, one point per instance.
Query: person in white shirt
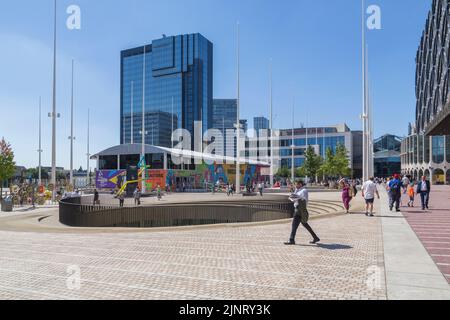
(369, 190)
(300, 198)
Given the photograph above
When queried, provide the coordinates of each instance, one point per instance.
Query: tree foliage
(336, 164)
(312, 163)
(7, 164)
(283, 172)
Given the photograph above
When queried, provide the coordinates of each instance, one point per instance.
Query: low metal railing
(80, 212)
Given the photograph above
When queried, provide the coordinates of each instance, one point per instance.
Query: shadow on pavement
(331, 247)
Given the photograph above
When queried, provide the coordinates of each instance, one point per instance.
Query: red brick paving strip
(433, 226)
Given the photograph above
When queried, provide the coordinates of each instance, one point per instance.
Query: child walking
(411, 194)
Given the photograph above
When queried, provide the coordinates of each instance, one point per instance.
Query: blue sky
(315, 46)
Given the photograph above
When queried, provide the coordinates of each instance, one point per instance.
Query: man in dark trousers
(424, 189)
(395, 193)
(96, 197)
(300, 198)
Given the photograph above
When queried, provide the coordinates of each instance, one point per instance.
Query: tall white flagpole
(143, 121)
(71, 131)
(88, 154)
(132, 113)
(364, 96)
(53, 115)
(272, 173)
(238, 126)
(172, 125)
(40, 144)
(293, 143)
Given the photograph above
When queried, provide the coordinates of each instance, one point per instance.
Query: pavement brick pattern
(221, 263)
(433, 226)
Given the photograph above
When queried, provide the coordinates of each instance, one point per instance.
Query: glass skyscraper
(224, 117)
(178, 88)
(261, 123)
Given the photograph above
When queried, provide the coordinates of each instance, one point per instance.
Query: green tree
(341, 161)
(328, 168)
(7, 164)
(312, 163)
(283, 172)
(32, 173)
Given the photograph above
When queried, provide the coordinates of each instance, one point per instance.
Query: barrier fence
(80, 212)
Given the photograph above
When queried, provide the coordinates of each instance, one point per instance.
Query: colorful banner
(190, 179)
(110, 179)
(155, 178)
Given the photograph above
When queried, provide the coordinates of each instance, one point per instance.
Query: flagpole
(293, 143)
(172, 125)
(54, 112)
(132, 113)
(364, 96)
(71, 131)
(40, 144)
(238, 126)
(88, 154)
(143, 122)
(272, 173)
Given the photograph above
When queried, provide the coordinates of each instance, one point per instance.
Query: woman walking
(347, 195)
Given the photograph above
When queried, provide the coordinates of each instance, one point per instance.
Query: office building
(178, 88)
(261, 123)
(387, 160)
(320, 138)
(426, 156)
(432, 73)
(224, 115)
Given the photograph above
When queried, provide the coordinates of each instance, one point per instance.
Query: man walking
(395, 193)
(424, 189)
(137, 196)
(260, 189)
(96, 197)
(300, 198)
(369, 189)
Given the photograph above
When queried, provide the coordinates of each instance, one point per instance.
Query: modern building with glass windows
(174, 76)
(426, 156)
(261, 123)
(387, 156)
(320, 138)
(224, 115)
(433, 72)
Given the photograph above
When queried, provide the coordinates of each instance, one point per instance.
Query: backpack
(395, 189)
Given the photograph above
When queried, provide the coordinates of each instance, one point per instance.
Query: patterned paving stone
(219, 263)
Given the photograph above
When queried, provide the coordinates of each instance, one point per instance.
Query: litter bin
(7, 204)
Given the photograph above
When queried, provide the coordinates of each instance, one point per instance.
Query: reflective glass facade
(224, 117)
(261, 123)
(436, 157)
(178, 88)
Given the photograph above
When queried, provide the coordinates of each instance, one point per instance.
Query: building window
(438, 147)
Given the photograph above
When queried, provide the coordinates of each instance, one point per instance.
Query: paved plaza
(222, 262)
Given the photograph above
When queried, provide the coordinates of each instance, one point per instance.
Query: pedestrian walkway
(433, 226)
(411, 274)
(360, 258)
(217, 263)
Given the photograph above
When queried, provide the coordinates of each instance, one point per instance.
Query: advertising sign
(110, 179)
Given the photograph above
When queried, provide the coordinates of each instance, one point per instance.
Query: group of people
(396, 188)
